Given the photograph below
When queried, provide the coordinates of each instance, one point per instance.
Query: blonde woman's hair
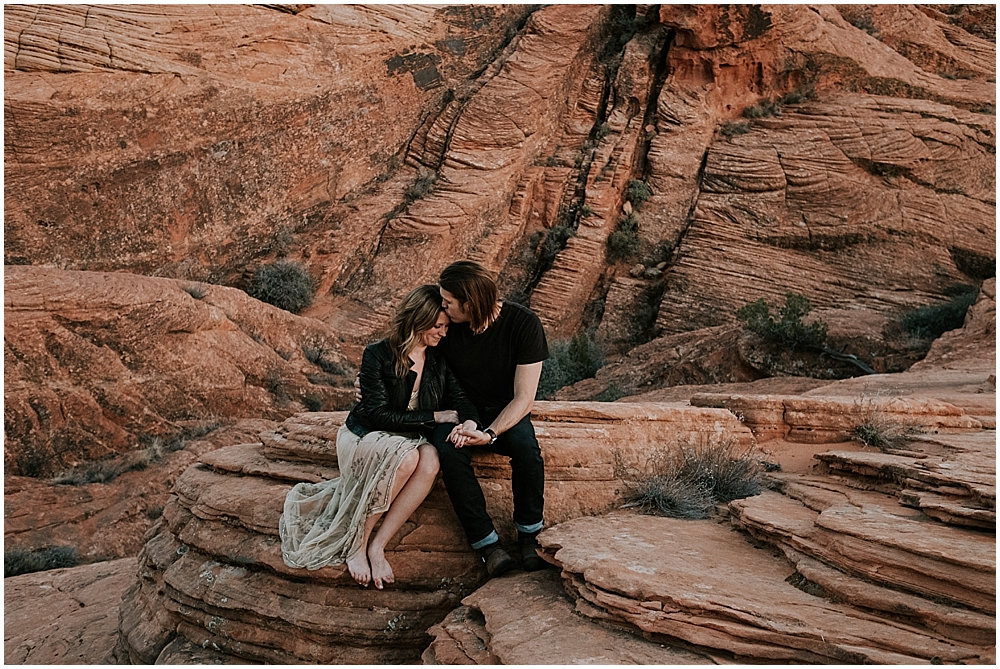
(474, 286)
(417, 313)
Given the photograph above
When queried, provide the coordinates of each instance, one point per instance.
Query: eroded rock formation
(211, 574)
(369, 141)
(98, 363)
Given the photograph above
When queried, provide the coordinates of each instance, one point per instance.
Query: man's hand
(357, 387)
(466, 434)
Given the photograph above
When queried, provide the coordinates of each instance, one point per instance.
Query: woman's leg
(358, 565)
(405, 501)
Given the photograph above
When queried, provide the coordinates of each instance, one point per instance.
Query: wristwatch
(491, 434)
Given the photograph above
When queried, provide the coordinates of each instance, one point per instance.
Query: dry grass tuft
(689, 482)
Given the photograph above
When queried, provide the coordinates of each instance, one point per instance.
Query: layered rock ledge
(211, 576)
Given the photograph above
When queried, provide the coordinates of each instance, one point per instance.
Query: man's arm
(525, 386)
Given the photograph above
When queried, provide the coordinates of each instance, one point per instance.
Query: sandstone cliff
(377, 144)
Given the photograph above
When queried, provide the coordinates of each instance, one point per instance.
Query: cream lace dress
(323, 523)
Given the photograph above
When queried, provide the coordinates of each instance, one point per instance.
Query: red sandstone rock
(105, 521)
(211, 572)
(529, 619)
(97, 363)
(674, 579)
(64, 616)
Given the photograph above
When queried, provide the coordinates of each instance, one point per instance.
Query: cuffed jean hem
(491, 538)
(528, 529)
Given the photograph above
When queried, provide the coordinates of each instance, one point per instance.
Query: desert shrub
(154, 512)
(29, 462)
(730, 128)
(800, 94)
(986, 109)
(313, 402)
(623, 243)
(179, 441)
(569, 361)
(19, 561)
(284, 284)
(602, 131)
(195, 290)
(275, 384)
(638, 192)
(610, 394)
(933, 320)
(555, 242)
(863, 21)
(875, 428)
(764, 109)
(586, 210)
(421, 186)
(688, 482)
(789, 330)
(108, 469)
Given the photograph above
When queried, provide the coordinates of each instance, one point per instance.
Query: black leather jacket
(385, 396)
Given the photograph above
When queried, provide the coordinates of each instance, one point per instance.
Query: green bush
(555, 242)
(569, 362)
(762, 110)
(602, 131)
(623, 243)
(18, 561)
(789, 331)
(687, 483)
(284, 284)
(932, 321)
(638, 192)
(730, 128)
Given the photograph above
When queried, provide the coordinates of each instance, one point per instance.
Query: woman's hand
(446, 416)
(467, 434)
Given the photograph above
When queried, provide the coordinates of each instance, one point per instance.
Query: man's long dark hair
(475, 288)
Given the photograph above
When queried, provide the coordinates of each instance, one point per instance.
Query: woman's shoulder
(379, 349)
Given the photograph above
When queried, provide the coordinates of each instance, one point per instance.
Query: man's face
(453, 308)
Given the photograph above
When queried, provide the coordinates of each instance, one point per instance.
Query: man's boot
(496, 559)
(530, 561)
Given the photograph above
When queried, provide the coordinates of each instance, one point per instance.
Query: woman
(387, 466)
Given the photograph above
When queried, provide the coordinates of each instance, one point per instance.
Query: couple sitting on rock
(425, 399)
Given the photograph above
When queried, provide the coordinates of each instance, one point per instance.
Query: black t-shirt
(485, 363)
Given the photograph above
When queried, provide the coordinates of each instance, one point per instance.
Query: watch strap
(492, 435)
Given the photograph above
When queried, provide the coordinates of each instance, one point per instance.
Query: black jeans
(527, 478)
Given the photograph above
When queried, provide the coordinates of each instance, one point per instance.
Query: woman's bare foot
(358, 566)
(381, 571)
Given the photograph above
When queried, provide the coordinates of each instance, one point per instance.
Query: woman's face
(433, 336)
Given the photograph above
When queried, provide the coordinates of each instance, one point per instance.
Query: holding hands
(466, 434)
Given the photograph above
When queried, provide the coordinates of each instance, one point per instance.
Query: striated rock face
(211, 575)
(199, 140)
(369, 141)
(98, 363)
(64, 616)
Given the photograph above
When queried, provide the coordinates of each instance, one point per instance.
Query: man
(496, 350)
